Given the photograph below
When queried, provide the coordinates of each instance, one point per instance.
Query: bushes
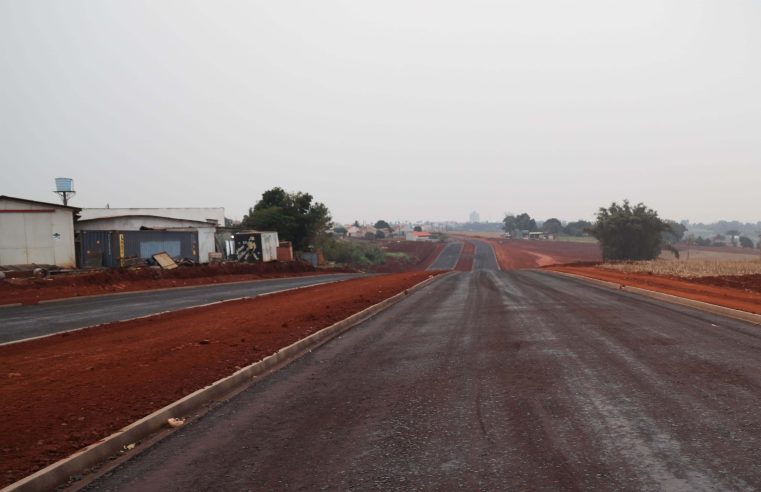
(350, 252)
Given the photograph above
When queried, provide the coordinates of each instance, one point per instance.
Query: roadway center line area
(21, 322)
(489, 380)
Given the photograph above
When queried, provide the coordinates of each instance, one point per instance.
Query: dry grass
(689, 268)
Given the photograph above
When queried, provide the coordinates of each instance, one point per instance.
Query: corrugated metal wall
(95, 249)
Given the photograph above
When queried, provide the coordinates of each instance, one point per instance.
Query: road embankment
(742, 300)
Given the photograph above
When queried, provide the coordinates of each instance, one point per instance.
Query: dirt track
(490, 380)
(64, 392)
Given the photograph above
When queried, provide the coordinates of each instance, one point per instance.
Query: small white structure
(34, 232)
(213, 215)
(205, 230)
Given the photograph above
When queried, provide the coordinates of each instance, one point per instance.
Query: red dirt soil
(696, 289)
(67, 391)
(745, 282)
(33, 290)
(516, 254)
(421, 254)
(465, 262)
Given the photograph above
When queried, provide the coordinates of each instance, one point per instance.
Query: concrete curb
(681, 301)
(174, 311)
(58, 473)
(182, 287)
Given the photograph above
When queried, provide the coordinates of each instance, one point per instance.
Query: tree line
(625, 231)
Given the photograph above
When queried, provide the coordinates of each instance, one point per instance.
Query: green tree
(733, 233)
(628, 233)
(746, 242)
(379, 234)
(382, 224)
(674, 233)
(525, 222)
(510, 223)
(293, 215)
(552, 226)
(417, 229)
(577, 228)
(340, 230)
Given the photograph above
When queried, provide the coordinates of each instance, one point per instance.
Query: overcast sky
(393, 110)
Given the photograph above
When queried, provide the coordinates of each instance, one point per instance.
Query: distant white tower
(475, 217)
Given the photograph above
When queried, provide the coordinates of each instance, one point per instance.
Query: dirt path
(64, 392)
(743, 300)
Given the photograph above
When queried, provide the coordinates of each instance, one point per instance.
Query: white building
(213, 215)
(34, 232)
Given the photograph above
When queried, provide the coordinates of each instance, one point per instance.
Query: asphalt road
(448, 257)
(489, 380)
(17, 323)
(484, 257)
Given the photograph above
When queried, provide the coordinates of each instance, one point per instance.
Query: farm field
(713, 253)
(64, 392)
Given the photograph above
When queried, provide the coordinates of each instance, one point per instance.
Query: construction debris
(165, 261)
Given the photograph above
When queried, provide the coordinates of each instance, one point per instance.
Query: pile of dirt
(419, 256)
(516, 254)
(699, 289)
(465, 262)
(82, 283)
(64, 392)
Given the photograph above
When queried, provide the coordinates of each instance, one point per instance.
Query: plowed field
(65, 392)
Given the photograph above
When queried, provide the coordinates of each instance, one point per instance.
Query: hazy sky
(394, 110)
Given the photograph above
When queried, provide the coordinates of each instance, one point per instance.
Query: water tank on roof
(64, 184)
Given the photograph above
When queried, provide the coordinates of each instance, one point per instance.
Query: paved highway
(17, 323)
(448, 257)
(484, 257)
(489, 380)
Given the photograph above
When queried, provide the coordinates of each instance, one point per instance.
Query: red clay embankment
(696, 289)
(66, 391)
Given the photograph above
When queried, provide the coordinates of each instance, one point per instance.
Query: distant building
(38, 233)
(475, 217)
